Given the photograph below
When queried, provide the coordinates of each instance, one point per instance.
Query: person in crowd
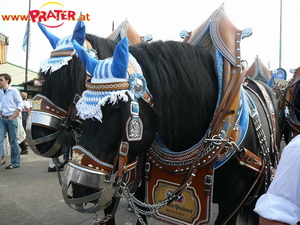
(281, 204)
(30, 100)
(21, 136)
(11, 106)
(6, 149)
(52, 167)
(25, 110)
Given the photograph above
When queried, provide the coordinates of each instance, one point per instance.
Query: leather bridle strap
(109, 216)
(248, 193)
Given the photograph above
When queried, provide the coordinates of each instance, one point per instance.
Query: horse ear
(79, 32)
(52, 38)
(88, 61)
(120, 59)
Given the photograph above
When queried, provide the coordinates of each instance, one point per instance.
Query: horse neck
(104, 47)
(185, 106)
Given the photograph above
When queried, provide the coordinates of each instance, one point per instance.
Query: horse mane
(183, 82)
(60, 86)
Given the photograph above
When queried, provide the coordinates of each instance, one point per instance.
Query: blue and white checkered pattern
(27, 36)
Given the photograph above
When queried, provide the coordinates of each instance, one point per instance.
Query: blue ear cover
(120, 59)
(79, 32)
(88, 61)
(52, 38)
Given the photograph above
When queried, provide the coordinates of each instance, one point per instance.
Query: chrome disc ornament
(138, 85)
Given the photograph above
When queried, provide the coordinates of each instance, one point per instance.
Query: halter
(86, 170)
(47, 114)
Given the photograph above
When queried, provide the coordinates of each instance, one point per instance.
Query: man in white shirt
(10, 109)
(281, 204)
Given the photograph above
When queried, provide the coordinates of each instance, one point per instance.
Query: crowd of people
(14, 110)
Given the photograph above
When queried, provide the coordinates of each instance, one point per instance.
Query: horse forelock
(183, 82)
(61, 86)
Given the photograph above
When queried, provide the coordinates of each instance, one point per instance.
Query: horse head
(52, 119)
(291, 94)
(113, 133)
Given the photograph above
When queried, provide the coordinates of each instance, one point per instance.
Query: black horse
(60, 87)
(176, 98)
(52, 134)
(289, 95)
(63, 78)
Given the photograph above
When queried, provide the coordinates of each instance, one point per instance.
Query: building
(3, 48)
(32, 86)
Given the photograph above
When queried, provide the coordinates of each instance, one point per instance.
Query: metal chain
(76, 136)
(57, 166)
(137, 205)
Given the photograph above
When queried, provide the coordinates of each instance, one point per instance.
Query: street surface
(30, 195)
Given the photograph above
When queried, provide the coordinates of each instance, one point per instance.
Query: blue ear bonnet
(107, 70)
(63, 48)
(110, 81)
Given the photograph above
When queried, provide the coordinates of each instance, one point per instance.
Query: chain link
(58, 166)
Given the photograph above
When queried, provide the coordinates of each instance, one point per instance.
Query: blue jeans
(11, 127)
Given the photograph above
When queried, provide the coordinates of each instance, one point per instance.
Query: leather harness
(205, 154)
(200, 162)
(126, 30)
(258, 71)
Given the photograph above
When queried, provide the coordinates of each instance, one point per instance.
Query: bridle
(86, 170)
(46, 114)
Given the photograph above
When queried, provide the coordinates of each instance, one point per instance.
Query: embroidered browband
(106, 86)
(61, 53)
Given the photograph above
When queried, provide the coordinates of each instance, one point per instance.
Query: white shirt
(25, 105)
(11, 101)
(282, 200)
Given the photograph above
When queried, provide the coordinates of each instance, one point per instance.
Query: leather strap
(42, 103)
(123, 157)
(249, 160)
(259, 176)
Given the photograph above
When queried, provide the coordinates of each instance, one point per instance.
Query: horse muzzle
(59, 134)
(46, 115)
(106, 184)
(88, 172)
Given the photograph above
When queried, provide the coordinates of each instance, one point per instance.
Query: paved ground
(32, 196)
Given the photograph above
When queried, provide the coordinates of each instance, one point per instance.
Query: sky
(164, 20)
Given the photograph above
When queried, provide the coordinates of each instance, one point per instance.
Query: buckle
(124, 147)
